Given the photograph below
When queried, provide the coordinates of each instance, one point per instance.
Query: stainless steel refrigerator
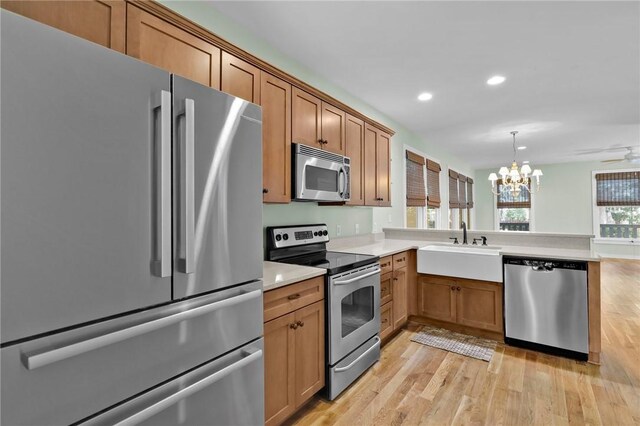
(131, 248)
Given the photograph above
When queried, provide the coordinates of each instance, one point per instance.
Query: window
(514, 209)
(460, 200)
(422, 198)
(617, 204)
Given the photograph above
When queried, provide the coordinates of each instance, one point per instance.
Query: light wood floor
(416, 384)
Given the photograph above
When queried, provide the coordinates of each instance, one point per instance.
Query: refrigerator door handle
(161, 266)
(49, 357)
(187, 202)
(249, 356)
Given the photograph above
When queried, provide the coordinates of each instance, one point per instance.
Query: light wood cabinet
(102, 22)
(399, 297)
(377, 164)
(354, 149)
(386, 264)
(276, 139)
(386, 320)
(316, 123)
(240, 78)
(471, 303)
(294, 344)
(160, 43)
(386, 288)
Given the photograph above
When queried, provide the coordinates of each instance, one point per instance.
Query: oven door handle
(354, 362)
(343, 282)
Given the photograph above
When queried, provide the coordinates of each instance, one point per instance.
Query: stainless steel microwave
(320, 175)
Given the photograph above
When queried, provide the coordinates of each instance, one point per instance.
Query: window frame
(532, 216)
(595, 216)
(422, 211)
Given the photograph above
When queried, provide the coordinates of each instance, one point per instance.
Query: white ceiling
(572, 69)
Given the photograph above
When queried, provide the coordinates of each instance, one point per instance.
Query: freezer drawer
(68, 376)
(225, 391)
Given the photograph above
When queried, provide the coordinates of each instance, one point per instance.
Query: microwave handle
(342, 182)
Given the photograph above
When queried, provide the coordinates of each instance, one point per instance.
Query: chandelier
(514, 181)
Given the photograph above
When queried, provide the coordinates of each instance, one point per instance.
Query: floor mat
(451, 341)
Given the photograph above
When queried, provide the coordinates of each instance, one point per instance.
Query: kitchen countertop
(388, 247)
(277, 274)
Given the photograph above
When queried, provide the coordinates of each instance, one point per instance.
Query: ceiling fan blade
(617, 160)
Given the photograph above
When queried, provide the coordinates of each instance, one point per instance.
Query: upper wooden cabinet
(377, 166)
(276, 139)
(101, 22)
(316, 123)
(160, 43)
(241, 79)
(354, 149)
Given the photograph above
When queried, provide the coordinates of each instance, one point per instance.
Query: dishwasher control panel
(548, 264)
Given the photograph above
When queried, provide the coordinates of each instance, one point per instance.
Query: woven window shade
(618, 189)
(416, 194)
(453, 190)
(462, 191)
(433, 184)
(506, 200)
(469, 192)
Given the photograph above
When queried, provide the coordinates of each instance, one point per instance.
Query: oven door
(354, 310)
(320, 179)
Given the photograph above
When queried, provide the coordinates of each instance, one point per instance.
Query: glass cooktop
(334, 262)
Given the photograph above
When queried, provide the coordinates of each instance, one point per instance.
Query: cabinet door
(306, 112)
(354, 149)
(399, 297)
(309, 349)
(437, 298)
(370, 176)
(240, 78)
(479, 304)
(383, 163)
(386, 288)
(101, 22)
(279, 369)
(333, 131)
(276, 139)
(386, 320)
(164, 45)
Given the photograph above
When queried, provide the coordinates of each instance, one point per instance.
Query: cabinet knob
(300, 323)
(395, 278)
(458, 288)
(293, 326)
(293, 296)
(453, 288)
(384, 320)
(265, 191)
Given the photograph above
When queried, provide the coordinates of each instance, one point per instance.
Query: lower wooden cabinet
(294, 355)
(386, 320)
(399, 297)
(394, 300)
(470, 303)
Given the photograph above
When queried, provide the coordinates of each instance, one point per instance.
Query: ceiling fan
(632, 156)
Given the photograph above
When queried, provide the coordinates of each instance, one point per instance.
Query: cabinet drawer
(386, 265)
(386, 320)
(287, 299)
(399, 260)
(386, 288)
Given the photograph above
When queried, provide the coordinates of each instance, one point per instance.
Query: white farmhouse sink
(475, 262)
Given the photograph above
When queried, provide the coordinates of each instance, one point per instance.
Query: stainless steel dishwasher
(546, 306)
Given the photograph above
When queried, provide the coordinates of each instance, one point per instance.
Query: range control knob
(315, 233)
(325, 233)
(285, 237)
(278, 237)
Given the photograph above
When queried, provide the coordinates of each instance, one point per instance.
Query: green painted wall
(369, 219)
(563, 205)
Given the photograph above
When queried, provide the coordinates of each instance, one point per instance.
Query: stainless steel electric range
(352, 299)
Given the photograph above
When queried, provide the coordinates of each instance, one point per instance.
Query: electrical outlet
(338, 230)
(357, 228)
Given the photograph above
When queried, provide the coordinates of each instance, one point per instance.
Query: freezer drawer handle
(187, 204)
(355, 361)
(163, 404)
(39, 360)
(359, 277)
(161, 267)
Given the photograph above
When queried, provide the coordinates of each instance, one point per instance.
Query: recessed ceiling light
(496, 79)
(522, 148)
(525, 162)
(424, 96)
